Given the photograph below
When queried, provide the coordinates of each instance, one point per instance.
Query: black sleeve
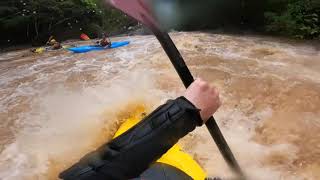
(133, 152)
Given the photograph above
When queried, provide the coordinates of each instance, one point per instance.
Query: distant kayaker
(133, 154)
(105, 41)
(51, 41)
(55, 45)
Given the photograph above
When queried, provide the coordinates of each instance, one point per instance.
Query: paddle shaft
(187, 78)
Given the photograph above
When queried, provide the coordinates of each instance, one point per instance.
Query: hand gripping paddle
(141, 11)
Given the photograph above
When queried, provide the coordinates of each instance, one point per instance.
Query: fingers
(204, 96)
(219, 102)
(217, 95)
(203, 85)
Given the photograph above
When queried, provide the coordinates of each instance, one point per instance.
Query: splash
(65, 124)
(55, 107)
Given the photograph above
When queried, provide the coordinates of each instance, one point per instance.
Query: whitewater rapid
(57, 106)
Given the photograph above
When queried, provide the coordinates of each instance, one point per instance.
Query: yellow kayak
(174, 157)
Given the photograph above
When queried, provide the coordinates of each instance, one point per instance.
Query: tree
(29, 20)
(298, 18)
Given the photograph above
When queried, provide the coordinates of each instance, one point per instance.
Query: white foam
(65, 121)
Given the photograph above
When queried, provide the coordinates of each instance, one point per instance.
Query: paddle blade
(137, 9)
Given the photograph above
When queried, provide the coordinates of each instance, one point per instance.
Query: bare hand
(204, 97)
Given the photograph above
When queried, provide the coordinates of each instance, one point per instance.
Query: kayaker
(105, 41)
(133, 154)
(55, 45)
(51, 41)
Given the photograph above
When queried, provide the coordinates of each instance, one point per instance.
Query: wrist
(193, 110)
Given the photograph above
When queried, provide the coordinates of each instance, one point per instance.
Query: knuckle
(197, 82)
(214, 91)
(204, 85)
(199, 79)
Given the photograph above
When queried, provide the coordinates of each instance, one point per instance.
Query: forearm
(133, 152)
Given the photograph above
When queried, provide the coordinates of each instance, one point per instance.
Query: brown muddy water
(57, 106)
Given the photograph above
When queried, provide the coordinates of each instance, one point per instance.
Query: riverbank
(140, 30)
(130, 31)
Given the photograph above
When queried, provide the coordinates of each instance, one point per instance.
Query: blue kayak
(84, 49)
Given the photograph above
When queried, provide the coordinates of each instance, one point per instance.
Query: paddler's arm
(134, 151)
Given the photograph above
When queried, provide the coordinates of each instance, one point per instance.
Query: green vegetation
(294, 18)
(35, 20)
(298, 18)
(25, 21)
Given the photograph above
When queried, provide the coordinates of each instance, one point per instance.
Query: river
(57, 106)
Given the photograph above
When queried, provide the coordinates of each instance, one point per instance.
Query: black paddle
(140, 10)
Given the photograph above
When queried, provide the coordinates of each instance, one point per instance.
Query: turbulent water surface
(57, 106)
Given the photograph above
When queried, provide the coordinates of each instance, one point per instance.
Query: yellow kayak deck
(174, 157)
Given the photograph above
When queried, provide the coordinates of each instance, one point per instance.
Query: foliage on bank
(25, 21)
(297, 18)
(35, 20)
(293, 18)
